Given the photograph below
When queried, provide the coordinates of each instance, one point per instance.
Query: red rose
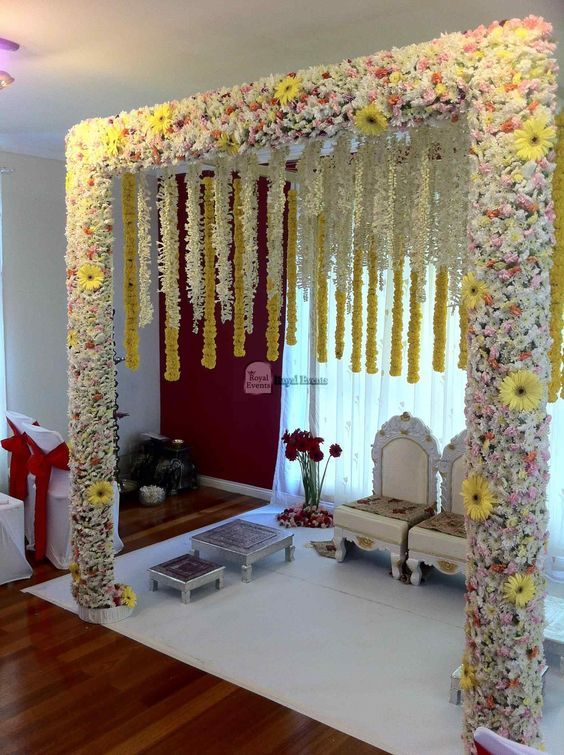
(316, 454)
(335, 450)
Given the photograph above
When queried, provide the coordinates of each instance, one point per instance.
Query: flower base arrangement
(123, 598)
(303, 446)
(301, 516)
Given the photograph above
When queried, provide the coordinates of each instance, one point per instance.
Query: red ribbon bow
(17, 445)
(40, 464)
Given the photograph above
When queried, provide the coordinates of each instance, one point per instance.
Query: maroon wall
(234, 436)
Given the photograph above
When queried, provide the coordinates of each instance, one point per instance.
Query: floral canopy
(495, 86)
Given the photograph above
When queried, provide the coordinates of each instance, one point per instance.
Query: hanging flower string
(440, 319)
(275, 265)
(167, 202)
(144, 251)
(371, 312)
(193, 257)
(210, 328)
(356, 357)
(291, 270)
(239, 285)
(396, 354)
(414, 330)
(463, 328)
(222, 237)
(322, 294)
(130, 290)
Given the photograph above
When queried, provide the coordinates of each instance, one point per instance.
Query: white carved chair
(441, 540)
(405, 456)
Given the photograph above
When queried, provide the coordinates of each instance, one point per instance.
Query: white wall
(34, 288)
(35, 305)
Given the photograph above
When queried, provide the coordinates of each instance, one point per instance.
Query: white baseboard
(265, 494)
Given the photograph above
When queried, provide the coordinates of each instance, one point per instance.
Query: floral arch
(501, 81)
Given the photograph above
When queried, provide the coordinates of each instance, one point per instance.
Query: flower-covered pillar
(91, 379)
(506, 295)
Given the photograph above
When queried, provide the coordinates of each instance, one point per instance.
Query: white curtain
(349, 408)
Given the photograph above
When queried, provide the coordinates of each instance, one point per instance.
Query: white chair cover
(13, 563)
(58, 549)
(18, 420)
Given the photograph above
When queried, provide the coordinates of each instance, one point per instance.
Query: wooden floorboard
(71, 687)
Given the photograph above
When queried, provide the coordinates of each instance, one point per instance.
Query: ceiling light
(7, 44)
(5, 79)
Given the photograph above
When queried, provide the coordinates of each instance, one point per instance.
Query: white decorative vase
(104, 615)
(152, 495)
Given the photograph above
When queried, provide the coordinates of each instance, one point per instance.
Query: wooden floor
(71, 687)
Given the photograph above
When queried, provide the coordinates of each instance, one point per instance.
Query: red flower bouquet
(306, 448)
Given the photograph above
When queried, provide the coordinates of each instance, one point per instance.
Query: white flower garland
(168, 262)
(222, 237)
(310, 203)
(276, 203)
(194, 257)
(144, 251)
(248, 172)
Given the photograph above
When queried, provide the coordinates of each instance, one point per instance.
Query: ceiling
(84, 59)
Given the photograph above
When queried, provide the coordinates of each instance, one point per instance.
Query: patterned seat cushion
(411, 513)
(446, 522)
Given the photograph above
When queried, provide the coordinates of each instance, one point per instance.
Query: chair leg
(340, 547)
(415, 568)
(396, 560)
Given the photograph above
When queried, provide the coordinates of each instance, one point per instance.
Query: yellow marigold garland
(414, 330)
(341, 302)
(322, 293)
(371, 313)
(291, 269)
(356, 356)
(557, 270)
(210, 329)
(130, 285)
(172, 359)
(440, 319)
(238, 282)
(463, 325)
(273, 326)
(397, 321)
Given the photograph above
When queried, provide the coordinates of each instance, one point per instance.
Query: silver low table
(244, 543)
(185, 573)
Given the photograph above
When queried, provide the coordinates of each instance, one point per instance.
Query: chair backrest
(453, 472)
(47, 440)
(18, 420)
(405, 456)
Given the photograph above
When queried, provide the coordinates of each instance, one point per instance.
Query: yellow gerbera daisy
(72, 338)
(90, 277)
(473, 291)
(161, 119)
(228, 143)
(478, 498)
(128, 597)
(521, 390)
(468, 676)
(69, 178)
(519, 589)
(114, 140)
(100, 493)
(288, 89)
(370, 120)
(534, 139)
(75, 571)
